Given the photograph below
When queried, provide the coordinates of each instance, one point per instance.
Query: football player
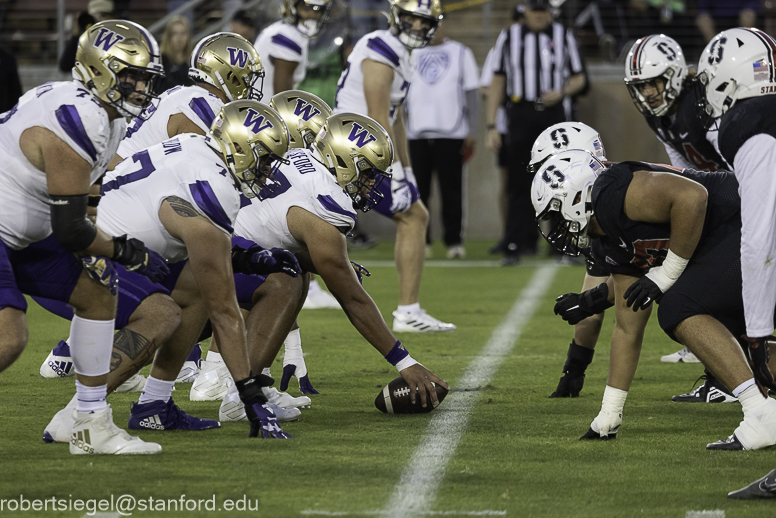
(312, 211)
(57, 142)
(375, 83)
(737, 80)
(182, 196)
(661, 233)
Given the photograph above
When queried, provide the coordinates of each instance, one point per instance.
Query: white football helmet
(562, 136)
(561, 193)
(652, 57)
(736, 64)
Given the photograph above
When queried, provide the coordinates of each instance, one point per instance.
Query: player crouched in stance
(56, 142)
(311, 212)
(183, 196)
(662, 234)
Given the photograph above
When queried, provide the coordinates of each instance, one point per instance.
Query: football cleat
(211, 383)
(711, 391)
(232, 409)
(419, 322)
(755, 432)
(60, 427)
(456, 252)
(190, 368)
(683, 356)
(761, 488)
(59, 363)
(284, 399)
(317, 298)
(568, 386)
(157, 415)
(134, 383)
(95, 433)
(592, 435)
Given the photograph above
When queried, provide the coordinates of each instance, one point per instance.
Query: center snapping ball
(394, 398)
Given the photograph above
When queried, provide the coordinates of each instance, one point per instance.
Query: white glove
(410, 175)
(401, 197)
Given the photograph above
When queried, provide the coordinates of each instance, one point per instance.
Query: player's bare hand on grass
(420, 381)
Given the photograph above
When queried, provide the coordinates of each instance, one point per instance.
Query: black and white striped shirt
(535, 63)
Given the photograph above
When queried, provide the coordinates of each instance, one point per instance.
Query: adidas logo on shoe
(62, 369)
(82, 441)
(152, 423)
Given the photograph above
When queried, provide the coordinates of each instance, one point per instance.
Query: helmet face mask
(357, 151)
(113, 58)
(564, 136)
(655, 61)
(230, 63)
(308, 25)
(403, 16)
(303, 113)
(253, 140)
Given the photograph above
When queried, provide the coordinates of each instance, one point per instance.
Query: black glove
(258, 261)
(135, 257)
(758, 353)
(260, 414)
(641, 293)
(569, 385)
(573, 307)
(360, 271)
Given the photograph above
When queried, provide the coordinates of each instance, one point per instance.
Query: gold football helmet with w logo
(304, 114)
(112, 58)
(228, 62)
(401, 21)
(306, 25)
(253, 139)
(358, 152)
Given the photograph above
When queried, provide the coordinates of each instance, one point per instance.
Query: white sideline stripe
(487, 512)
(531, 263)
(716, 513)
(416, 491)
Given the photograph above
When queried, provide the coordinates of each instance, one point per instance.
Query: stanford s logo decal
(552, 176)
(560, 140)
(716, 50)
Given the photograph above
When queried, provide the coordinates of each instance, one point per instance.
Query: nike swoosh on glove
(642, 293)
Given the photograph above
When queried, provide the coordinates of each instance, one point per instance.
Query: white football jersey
(383, 47)
(196, 103)
(74, 115)
(304, 183)
(185, 166)
(281, 41)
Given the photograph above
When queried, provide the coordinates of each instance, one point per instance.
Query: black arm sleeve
(69, 223)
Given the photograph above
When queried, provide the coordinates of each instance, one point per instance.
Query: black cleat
(568, 386)
(761, 488)
(731, 444)
(712, 391)
(592, 435)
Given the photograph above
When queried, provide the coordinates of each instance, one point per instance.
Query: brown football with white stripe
(394, 398)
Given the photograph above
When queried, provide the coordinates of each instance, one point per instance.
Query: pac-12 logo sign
(553, 177)
(256, 122)
(106, 39)
(237, 57)
(305, 110)
(360, 136)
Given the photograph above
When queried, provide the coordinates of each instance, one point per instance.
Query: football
(394, 398)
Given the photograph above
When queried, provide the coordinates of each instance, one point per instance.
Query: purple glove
(259, 261)
(102, 270)
(263, 420)
(361, 272)
(305, 387)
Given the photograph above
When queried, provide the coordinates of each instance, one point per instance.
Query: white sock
(156, 390)
(751, 399)
(91, 344)
(213, 357)
(90, 399)
(411, 308)
(293, 354)
(266, 372)
(742, 387)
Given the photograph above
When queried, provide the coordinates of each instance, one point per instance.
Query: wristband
(666, 275)
(396, 354)
(94, 200)
(409, 361)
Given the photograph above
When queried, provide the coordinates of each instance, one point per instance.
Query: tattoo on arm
(182, 207)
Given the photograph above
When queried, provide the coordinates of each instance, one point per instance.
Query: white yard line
(416, 491)
(455, 263)
(318, 512)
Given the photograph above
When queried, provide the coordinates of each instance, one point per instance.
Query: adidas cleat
(317, 298)
(157, 415)
(95, 434)
(761, 488)
(211, 383)
(134, 383)
(592, 435)
(711, 391)
(683, 356)
(190, 369)
(232, 409)
(59, 363)
(419, 322)
(284, 399)
(60, 427)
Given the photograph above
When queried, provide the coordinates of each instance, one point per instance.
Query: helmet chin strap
(223, 86)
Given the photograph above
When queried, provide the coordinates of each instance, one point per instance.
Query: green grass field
(518, 455)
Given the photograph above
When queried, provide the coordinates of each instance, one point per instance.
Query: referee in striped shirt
(537, 68)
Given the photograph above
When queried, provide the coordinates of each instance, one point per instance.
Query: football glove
(135, 257)
(641, 293)
(258, 261)
(102, 270)
(293, 365)
(758, 354)
(570, 385)
(573, 307)
(604, 427)
(260, 415)
(361, 272)
(401, 196)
